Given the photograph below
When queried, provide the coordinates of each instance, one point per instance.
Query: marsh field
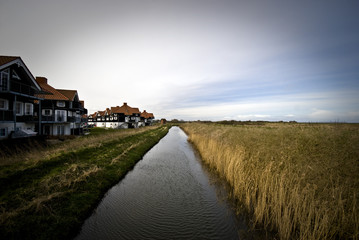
(300, 180)
(48, 191)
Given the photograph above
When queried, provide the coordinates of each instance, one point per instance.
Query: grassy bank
(48, 193)
(301, 180)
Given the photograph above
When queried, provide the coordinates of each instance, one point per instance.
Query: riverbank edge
(244, 216)
(61, 216)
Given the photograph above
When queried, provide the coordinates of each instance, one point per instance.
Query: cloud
(195, 59)
(253, 117)
(321, 114)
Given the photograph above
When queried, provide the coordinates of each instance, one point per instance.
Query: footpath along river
(168, 195)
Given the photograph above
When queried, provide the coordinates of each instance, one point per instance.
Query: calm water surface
(168, 195)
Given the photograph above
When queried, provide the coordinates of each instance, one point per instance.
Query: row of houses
(121, 117)
(29, 106)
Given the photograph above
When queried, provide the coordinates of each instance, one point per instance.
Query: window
(19, 108)
(46, 112)
(60, 103)
(60, 130)
(3, 132)
(60, 116)
(4, 104)
(29, 109)
(4, 80)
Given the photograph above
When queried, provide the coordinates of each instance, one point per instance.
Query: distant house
(125, 116)
(163, 121)
(101, 119)
(147, 118)
(18, 98)
(120, 117)
(91, 119)
(61, 110)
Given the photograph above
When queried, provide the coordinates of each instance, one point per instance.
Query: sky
(213, 60)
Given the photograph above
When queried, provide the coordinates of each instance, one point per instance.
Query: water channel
(168, 195)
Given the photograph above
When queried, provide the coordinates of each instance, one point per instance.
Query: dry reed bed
(301, 180)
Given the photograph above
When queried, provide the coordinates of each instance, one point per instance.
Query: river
(168, 195)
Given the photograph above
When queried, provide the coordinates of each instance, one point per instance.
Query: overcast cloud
(195, 59)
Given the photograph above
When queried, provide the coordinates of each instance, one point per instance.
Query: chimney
(41, 80)
(125, 103)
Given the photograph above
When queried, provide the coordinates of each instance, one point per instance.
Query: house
(91, 119)
(18, 98)
(61, 110)
(100, 119)
(147, 118)
(125, 116)
(163, 121)
(117, 117)
(75, 112)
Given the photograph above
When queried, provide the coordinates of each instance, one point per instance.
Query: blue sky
(195, 59)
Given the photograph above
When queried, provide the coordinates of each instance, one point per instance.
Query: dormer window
(60, 103)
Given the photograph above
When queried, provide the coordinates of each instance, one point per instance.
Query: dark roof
(7, 59)
(4, 60)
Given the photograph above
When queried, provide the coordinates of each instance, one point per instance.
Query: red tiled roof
(102, 113)
(51, 93)
(146, 114)
(125, 109)
(7, 59)
(93, 115)
(82, 103)
(70, 94)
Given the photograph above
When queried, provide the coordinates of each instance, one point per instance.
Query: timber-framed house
(18, 89)
(118, 117)
(125, 116)
(147, 118)
(61, 110)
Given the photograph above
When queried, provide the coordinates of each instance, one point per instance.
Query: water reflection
(168, 195)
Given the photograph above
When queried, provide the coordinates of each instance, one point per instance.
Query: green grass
(49, 198)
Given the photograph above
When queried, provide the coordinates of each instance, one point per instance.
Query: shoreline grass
(50, 197)
(301, 180)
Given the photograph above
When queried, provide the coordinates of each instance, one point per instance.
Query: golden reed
(301, 180)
